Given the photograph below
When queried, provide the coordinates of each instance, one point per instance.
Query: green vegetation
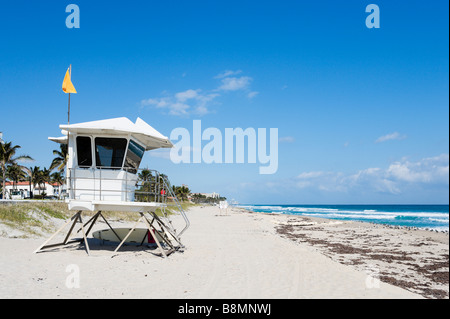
(182, 192)
(36, 217)
(171, 207)
(10, 170)
(8, 163)
(60, 161)
(202, 199)
(32, 217)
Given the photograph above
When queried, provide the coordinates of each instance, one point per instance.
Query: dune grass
(18, 213)
(31, 218)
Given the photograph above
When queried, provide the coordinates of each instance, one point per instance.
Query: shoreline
(237, 255)
(444, 231)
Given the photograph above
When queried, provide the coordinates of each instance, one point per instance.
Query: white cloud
(234, 84)
(163, 102)
(227, 73)
(184, 103)
(389, 137)
(372, 179)
(393, 180)
(428, 170)
(174, 107)
(186, 95)
(251, 95)
(178, 108)
(197, 101)
(201, 110)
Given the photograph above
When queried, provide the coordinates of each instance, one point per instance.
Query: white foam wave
(350, 216)
(439, 220)
(362, 214)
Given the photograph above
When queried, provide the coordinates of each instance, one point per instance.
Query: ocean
(434, 217)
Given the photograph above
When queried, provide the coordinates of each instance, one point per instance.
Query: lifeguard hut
(103, 174)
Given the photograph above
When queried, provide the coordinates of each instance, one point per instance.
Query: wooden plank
(57, 232)
(84, 235)
(154, 236)
(129, 233)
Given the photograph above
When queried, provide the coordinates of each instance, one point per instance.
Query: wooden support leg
(73, 218)
(71, 228)
(129, 233)
(84, 235)
(110, 227)
(162, 233)
(150, 228)
(93, 220)
(166, 229)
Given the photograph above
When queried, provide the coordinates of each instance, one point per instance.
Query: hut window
(134, 156)
(109, 152)
(84, 151)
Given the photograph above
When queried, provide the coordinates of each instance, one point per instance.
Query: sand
(417, 260)
(241, 255)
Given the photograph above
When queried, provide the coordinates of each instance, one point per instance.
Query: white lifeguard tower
(103, 174)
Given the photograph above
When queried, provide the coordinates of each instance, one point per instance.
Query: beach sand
(240, 255)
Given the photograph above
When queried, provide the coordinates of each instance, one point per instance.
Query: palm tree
(182, 192)
(30, 177)
(43, 177)
(58, 178)
(33, 174)
(7, 158)
(145, 175)
(60, 161)
(144, 183)
(15, 173)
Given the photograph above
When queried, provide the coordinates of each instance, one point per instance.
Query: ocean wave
(439, 220)
(268, 207)
(389, 214)
(350, 216)
(402, 217)
(429, 219)
(345, 211)
(439, 228)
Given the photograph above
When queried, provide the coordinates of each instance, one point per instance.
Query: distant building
(210, 195)
(21, 190)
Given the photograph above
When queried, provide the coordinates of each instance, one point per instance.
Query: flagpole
(68, 111)
(68, 177)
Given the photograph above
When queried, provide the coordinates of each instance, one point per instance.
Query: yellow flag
(67, 85)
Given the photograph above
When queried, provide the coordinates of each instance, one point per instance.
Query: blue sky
(362, 114)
